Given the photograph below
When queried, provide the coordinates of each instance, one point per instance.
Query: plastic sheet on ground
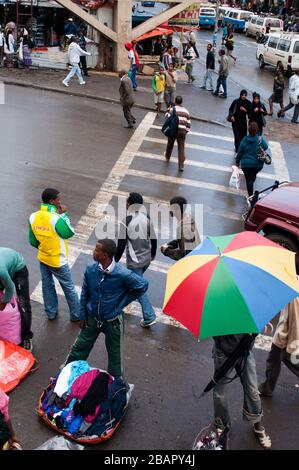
(59, 443)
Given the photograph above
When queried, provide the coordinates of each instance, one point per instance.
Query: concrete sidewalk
(201, 104)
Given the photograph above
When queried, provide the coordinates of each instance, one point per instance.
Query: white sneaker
(147, 324)
(65, 83)
(82, 83)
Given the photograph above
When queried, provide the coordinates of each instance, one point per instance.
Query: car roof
(289, 36)
(285, 199)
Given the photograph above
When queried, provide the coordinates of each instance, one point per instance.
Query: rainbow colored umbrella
(230, 285)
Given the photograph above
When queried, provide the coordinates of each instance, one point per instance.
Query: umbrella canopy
(230, 285)
(155, 32)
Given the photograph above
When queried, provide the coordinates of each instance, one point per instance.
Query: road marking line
(280, 167)
(97, 207)
(207, 209)
(185, 181)
(202, 134)
(262, 342)
(199, 164)
(192, 146)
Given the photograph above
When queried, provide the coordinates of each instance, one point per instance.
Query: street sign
(187, 17)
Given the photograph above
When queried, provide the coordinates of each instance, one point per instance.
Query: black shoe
(295, 122)
(129, 126)
(215, 94)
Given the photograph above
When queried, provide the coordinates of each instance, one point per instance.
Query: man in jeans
(49, 230)
(138, 236)
(183, 129)
(294, 98)
(223, 74)
(245, 367)
(107, 289)
(210, 66)
(14, 277)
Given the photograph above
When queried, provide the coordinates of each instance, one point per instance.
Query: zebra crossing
(141, 167)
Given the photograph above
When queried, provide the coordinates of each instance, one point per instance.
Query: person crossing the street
(222, 75)
(184, 126)
(74, 54)
(137, 236)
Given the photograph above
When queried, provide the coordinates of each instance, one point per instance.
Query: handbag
(230, 114)
(262, 155)
(170, 126)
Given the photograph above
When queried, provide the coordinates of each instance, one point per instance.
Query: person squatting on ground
(126, 98)
(137, 236)
(107, 289)
(187, 236)
(245, 368)
(285, 347)
(49, 230)
(14, 277)
(7, 433)
(247, 156)
(74, 54)
(184, 127)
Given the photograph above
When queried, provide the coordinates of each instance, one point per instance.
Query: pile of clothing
(213, 437)
(85, 402)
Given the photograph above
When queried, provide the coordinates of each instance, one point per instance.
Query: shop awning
(155, 32)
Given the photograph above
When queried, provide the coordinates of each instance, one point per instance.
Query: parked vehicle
(223, 11)
(207, 17)
(279, 48)
(259, 25)
(275, 212)
(237, 19)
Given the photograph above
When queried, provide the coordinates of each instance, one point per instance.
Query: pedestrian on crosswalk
(184, 126)
(187, 236)
(126, 98)
(137, 235)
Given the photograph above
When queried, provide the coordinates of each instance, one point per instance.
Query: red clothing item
(82, 384)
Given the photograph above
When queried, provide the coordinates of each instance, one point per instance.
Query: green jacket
(10, 263)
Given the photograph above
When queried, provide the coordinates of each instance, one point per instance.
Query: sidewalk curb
(99, 98)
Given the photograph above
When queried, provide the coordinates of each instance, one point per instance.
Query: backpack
(170, 126)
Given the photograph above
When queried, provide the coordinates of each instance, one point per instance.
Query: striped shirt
(184, 117)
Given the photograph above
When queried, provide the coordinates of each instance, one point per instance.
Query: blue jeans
(208, 78)
(147, 309)
(252, 407)
(133, 76)
(63, 275)
(74, 71)
(221, 81)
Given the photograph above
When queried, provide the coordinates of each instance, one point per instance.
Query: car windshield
(206, 12)
(273, 23)
(296, 47)
(245, 15)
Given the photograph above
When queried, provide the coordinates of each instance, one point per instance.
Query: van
(223, 11)
(237, 19)
(280, 48)
(207, 17)
(258, 25)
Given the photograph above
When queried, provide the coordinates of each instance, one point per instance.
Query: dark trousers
(296, 110)
(21, 282)
(250, 177)
(221, 80)
(128, 114)
(275, 358)
(195, 49)
(113, 332)
(84, 65)
(181, 139)
(239, 134)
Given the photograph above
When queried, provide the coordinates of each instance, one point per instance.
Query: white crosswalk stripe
(123, 168)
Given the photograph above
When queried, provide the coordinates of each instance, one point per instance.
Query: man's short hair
(109, 247)
(135, 198)
(179, 201)
(49, 194)
(178, 100)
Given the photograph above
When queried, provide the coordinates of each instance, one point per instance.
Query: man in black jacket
(245, 367)
(210, 66)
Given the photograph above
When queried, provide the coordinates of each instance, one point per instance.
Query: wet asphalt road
(72, 144)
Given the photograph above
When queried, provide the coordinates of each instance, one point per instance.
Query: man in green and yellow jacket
(49, 230)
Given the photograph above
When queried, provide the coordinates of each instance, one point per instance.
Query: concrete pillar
(123, 28)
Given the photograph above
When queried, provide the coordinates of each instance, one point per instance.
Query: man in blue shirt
(107, 289)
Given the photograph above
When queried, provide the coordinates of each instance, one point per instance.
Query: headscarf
(243, 92)
(256, 95)
(129, 47)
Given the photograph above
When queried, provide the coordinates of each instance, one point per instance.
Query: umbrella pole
(244, 345)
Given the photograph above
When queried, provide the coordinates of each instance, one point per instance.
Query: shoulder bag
(262, 155)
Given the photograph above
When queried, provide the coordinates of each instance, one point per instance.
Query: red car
(275, 212)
